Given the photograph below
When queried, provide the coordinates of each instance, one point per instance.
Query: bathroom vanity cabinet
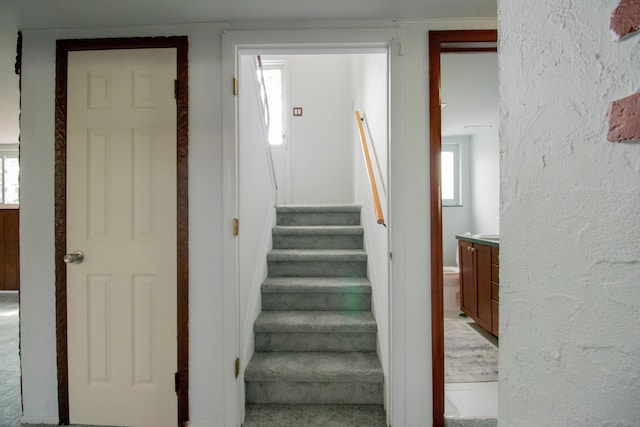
(479, 283)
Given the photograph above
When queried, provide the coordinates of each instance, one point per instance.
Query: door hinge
(237, 366)
(236, 226)
(175, 89)
(177, 381)
(235, 86)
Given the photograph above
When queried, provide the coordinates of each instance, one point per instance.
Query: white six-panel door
(121, 213)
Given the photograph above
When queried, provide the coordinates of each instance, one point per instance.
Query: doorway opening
(467, 41)
(318, 160)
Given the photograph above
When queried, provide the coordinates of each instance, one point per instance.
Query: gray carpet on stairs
(315, 362)
(260, 415)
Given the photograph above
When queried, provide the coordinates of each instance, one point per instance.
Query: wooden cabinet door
(495, 291)
(468, 288)
(482, 256)
(9, 250)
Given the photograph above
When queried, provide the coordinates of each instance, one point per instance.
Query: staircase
(315, 360)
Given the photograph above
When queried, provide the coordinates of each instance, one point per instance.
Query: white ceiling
(32, 14)
(469, 87)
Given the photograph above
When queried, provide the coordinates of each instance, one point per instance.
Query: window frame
(280, 64)
(456, 150)
(8, 151)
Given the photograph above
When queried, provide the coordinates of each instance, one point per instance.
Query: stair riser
(315, 241)
(318, 218)
(259, 415)
(318, 393)
(315, 302)
(335, 341)
(317, 268)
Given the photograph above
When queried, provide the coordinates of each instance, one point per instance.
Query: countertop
(474, 238)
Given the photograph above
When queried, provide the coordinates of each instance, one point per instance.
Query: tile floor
(470, 400)
(467, 400)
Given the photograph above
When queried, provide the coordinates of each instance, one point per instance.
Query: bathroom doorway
(442, 43)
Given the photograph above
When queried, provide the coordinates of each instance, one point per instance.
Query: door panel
(121, 213)
(468, 294)
(483, 276)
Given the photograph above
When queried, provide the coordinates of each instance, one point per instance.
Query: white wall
(256, 206)
(570, 248)
(319, 141)
(457, 219)
(9, 85)
(370, 84)
(485, 181)
(212, 387)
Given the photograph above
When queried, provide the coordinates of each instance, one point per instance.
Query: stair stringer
(254, 301)
(376, 245)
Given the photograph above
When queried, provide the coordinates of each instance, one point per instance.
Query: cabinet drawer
(494, 291)
(495, 255)
(495, 274)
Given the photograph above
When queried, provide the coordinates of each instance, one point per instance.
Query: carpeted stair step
(318, 237)
(315, 331)
(315, 360)
(283, 415)
(316, 293)
(318, 215)
(314, 377)
(317, 263)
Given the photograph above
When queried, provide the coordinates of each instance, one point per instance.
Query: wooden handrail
(372, 180)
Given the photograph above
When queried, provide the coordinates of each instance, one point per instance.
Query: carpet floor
(10, 400)
(469, 357)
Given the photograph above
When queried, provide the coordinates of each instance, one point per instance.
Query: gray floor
(10, 399)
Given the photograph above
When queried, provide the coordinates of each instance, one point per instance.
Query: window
(450, 178)
(273, 72)
(9, 174)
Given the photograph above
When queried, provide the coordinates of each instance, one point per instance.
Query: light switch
(297, 111)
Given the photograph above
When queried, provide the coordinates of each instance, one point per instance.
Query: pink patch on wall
(624, 119)
(625, 19)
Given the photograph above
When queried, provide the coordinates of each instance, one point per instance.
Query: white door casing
(121, 213)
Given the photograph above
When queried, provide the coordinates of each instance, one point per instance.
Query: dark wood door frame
(63, 47)
(442, 41)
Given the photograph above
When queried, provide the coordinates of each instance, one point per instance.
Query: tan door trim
(63, 47)
(436, 40)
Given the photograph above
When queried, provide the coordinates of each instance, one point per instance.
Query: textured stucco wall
(570, 219)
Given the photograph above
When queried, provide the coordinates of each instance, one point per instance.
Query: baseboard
(52, 421)
(205, 425)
